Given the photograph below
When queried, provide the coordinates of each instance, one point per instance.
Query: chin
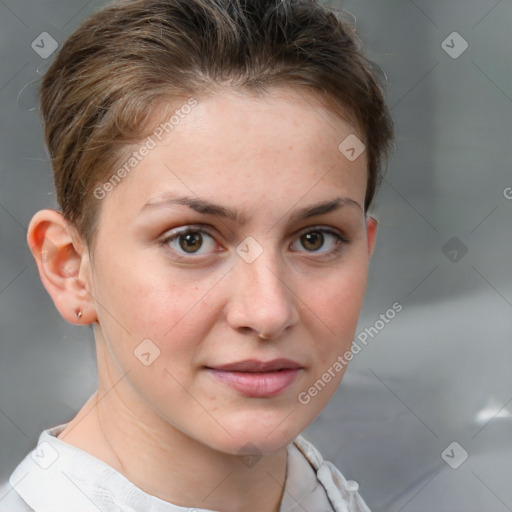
(251, 445)
(254, 436)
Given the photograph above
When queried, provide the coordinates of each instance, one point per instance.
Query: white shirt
(58, 477)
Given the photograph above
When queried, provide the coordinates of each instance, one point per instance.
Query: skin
(170, 427)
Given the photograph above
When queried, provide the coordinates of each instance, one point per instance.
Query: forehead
(234, 145)
(232, 123)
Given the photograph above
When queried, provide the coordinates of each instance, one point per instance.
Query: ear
(371, 230)
(63, 263)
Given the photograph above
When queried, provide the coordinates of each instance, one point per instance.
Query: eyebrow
(206, 207)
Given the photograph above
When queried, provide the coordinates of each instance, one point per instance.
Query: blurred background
(423, 418)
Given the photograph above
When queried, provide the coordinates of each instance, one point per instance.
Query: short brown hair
(131, 57)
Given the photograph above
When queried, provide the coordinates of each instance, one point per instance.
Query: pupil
(190, 242)
(313, 240)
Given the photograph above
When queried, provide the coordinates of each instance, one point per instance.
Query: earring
(79, 314)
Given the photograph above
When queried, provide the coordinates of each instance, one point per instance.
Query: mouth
(257, 379)
(255, 366)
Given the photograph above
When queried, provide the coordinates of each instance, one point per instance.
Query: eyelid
(324, 229)
(185, 228)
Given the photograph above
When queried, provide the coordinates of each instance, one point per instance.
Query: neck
(165, 463)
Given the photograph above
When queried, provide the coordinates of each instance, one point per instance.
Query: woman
(214, 161)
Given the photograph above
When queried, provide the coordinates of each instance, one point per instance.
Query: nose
(262, 300)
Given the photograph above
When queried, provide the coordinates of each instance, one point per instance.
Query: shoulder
(10, 500)
(29, 476)
(342, 493)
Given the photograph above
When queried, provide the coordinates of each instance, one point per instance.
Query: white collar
(56, 474)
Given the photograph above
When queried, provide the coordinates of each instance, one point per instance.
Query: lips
(257, 379)
(253, 366)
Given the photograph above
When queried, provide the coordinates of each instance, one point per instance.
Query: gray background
(440, 371)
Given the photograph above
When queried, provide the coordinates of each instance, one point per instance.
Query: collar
(56, 474)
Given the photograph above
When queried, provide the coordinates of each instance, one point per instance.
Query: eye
(190, 241)
(319, 240)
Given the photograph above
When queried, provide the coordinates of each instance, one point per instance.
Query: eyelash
(340, 240)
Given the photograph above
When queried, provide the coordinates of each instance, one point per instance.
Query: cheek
(169, 308)
(334, 308)
(146, 297)
(340, 295)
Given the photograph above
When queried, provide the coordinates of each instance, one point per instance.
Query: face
(238, 240)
